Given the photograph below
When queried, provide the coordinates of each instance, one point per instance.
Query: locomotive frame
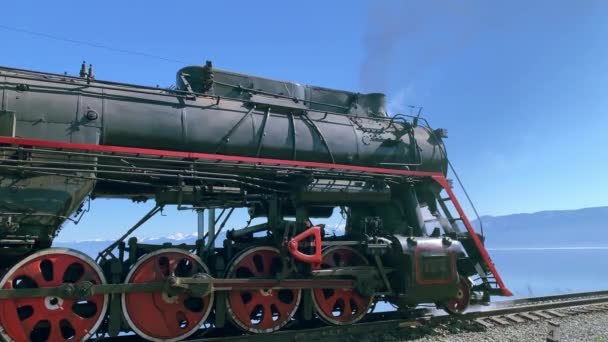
(259, 284)
(121, 255)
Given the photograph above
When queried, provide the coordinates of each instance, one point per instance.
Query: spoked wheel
(341, 306)
(51, 318)
(161, 316)
(264, 310)
(461, 302)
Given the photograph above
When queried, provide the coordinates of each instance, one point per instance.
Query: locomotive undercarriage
(290, 274)
(252, 284)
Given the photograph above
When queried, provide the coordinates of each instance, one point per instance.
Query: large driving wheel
(162, 316)
(263, 310)
(341, 306)
(52, 318)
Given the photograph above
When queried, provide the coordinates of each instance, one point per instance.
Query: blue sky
(521, 86)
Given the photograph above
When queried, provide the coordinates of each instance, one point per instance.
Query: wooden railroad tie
(484, 323)
(498, 320)
(556, 313)
(528, 316)
(515, 318)
(542, 314)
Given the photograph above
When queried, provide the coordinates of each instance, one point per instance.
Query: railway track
(423, 322)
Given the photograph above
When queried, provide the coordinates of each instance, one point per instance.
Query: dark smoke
(384, 31)
(420, 27)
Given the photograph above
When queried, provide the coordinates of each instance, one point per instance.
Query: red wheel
(459, 304)
(51, 318)
(160, 316)
(341, 306)
(264, 310)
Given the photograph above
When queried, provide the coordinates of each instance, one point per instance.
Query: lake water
(547, 271)
(532, 272)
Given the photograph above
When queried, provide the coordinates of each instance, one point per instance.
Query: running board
(260, 163)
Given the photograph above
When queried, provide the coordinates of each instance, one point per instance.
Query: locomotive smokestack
(91, 75)
(83, 69)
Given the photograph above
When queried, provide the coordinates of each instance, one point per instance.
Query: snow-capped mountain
(93, 247)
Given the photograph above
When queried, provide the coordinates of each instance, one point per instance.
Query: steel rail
(537, 304)
(392, 321)
(384, 320)
(561, 297)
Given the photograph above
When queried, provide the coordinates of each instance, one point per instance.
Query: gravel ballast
(584, 327)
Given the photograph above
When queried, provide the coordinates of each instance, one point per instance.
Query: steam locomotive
(292, 154)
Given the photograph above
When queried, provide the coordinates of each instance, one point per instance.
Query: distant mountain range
(586, 227)
(93, 247)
